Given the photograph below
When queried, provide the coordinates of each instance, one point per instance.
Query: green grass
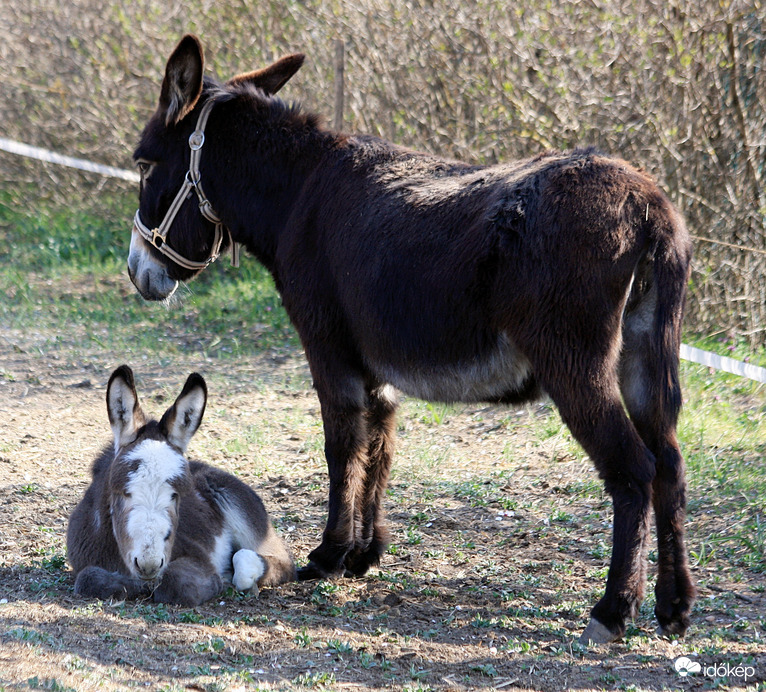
(63, 272)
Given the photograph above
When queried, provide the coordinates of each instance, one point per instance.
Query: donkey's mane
(279, 111)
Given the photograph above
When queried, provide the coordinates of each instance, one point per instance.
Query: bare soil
(500, 549)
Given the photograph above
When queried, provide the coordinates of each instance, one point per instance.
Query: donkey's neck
(264, 169)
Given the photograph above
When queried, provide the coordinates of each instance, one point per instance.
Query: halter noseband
(192, 182)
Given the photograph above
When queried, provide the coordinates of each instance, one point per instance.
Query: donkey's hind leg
(374, 536)
(640, 384)
(587, 395)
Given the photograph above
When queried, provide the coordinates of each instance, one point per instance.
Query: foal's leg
(675, 589)
(96, 582)
(248, 567)
(188, 582)
(590, 406)
(343, 400)
(374, 537)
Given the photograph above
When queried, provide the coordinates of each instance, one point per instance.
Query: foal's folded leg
(188, 582)
(249, 567)
(96, 582)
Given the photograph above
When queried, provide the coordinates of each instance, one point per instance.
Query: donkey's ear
(182, 419)
(182, 85)
(125, 414)
(272, 78)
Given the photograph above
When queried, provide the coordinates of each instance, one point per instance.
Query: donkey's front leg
(346, 444)
(374, 536)
(96, 582)
(188, 582)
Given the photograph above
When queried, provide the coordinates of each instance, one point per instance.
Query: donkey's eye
(144, 167)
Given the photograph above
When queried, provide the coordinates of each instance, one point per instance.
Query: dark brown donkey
(152, 523)
(562, 275)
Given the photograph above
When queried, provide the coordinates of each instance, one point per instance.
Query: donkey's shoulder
(103, 461)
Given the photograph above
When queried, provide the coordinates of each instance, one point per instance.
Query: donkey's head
(149, 474)
(177, 232)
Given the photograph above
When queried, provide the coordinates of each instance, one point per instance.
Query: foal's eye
(126, 495)
(174, 497)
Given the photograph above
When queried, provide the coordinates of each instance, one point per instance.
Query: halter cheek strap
(192, 183)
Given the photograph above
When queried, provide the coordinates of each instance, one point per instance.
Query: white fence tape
(51, 157)
(694, 355)
(713, 360)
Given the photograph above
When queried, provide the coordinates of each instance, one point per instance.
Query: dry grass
(501, 542)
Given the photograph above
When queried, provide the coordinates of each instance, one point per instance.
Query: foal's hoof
(249, 567)
(596, 633)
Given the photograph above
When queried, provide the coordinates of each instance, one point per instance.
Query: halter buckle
(196, 140)
(158, 238)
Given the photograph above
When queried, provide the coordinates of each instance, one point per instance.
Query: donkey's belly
(500, 374)
(220, 556)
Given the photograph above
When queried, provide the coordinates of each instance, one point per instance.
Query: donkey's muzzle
(148, 570)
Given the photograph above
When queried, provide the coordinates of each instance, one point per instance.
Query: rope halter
(192, 183)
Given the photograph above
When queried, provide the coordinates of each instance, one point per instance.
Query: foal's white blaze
(150, 507)
(148, 275)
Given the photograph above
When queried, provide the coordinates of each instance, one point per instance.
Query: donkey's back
(243, 522)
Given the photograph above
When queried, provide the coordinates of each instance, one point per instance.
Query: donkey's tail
(653, 317)
(664, 274)
(671, 266)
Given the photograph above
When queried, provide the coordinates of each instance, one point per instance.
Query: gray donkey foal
(153, 524)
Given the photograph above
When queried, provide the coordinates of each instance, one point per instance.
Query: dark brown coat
(564, 275)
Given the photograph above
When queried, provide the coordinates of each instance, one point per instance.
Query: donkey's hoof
(673, 629)
(249, 567)
(596, 633)
(357, 564)
(310, 572)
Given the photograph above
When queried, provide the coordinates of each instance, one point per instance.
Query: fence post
(339, 68)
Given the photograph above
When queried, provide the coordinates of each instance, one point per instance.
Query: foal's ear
(182, 85)
(182, 419)
(272, 78)
(125, 414)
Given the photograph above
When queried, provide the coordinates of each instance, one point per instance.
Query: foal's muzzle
(148, 570)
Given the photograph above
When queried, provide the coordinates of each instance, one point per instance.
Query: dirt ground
(500, 549)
